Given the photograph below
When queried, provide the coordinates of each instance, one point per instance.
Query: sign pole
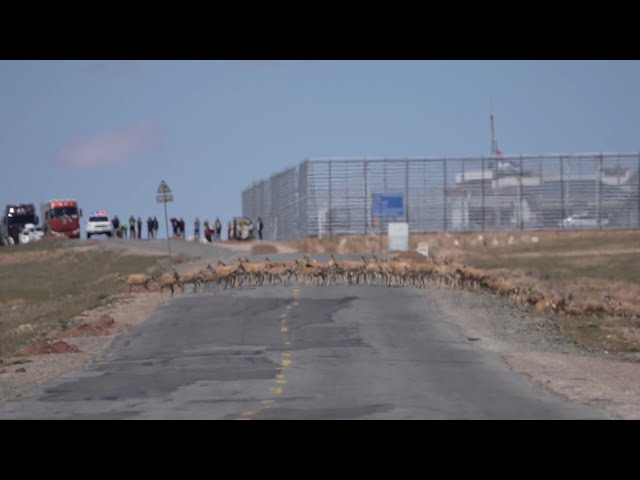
(166, 224)
(164, 195)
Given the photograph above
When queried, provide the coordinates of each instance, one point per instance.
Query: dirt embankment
(75, 347)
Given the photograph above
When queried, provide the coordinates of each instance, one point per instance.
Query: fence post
(444, 191)
(406, 189)
(521, 196)
(599, 192)
(540, 217)
(330, 201)
(483, 182)
(562, 193)
(366, 198)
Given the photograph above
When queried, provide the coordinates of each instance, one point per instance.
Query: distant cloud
(114, 68)
(110, 147)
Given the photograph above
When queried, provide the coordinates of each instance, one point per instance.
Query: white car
(583, 220)
(30, 233)
(99, 223)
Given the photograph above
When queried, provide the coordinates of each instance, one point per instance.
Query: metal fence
(548, 192)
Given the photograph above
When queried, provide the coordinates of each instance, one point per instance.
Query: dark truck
(15, 217)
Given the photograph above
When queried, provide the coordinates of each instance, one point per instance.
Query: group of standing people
(135, 227)
(178, 227)
(212, 231)
(252, 229)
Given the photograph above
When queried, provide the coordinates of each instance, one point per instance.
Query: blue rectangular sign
(388, 205)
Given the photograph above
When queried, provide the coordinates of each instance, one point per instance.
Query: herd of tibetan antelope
(382, 272)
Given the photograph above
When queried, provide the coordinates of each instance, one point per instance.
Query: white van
(99, 223)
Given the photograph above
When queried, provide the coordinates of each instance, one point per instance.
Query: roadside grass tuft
(60, 282)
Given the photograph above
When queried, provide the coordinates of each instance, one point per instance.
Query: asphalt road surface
(295, 353)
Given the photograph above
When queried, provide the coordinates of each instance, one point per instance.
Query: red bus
(61, 218)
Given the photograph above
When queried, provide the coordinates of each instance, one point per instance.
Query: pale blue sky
(107, 132)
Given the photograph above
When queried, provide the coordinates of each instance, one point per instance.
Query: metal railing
(326, 197)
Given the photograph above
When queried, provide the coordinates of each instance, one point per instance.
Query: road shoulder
(533, 346)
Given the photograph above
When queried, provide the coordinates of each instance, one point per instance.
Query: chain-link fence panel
(546, 192)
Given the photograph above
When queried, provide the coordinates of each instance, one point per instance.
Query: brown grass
(263, 249)
(413, 256)
(104, 325)
(47, 292)
(342, 245)
(43, 347)
(595, 268)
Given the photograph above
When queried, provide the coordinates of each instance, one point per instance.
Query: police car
(98, 223)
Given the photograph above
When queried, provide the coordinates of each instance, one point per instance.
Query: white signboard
(399, 236)
(164, 198)
(423, 249)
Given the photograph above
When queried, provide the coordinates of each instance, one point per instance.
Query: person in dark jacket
(196, 229)
(132, 227)
(182, 234)
(218, 228)
(260, 226)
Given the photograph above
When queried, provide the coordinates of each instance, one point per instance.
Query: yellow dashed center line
(285, 363)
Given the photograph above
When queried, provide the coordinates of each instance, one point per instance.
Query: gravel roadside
(533, 345)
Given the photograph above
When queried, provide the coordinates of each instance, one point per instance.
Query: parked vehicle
(583, 220)
(30, 233)
(15, 217)
(98, 223)
(242, 229)
(61, 218)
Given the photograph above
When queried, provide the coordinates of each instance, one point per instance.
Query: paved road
(295, 353)
(188, 249)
